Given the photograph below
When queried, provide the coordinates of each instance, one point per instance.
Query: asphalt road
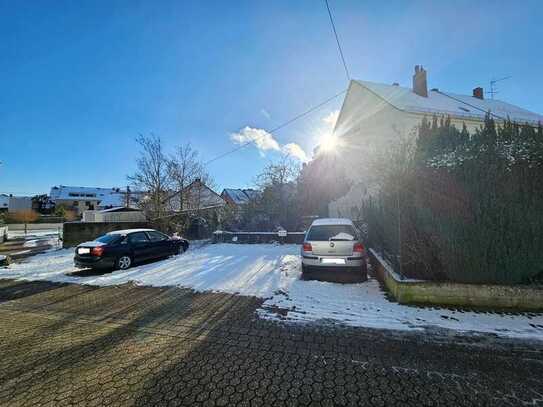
(66, 344)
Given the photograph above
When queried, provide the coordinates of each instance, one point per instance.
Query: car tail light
(307, 247)
(97, 251)
(358, 248)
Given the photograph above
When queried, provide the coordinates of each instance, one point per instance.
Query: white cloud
(263, 140)
(295, 151)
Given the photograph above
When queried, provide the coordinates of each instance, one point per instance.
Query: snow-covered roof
(240, 196)
(251, 193)
(442, 102)
(332, 221)
(127, 231)
(119, 209)
(87, 193)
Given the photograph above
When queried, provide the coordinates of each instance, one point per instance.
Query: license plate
(83, 250)
(333, 261)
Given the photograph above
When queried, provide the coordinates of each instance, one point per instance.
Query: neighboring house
(239, 197)
(4, 202)
(119, 214)
(19, 203)
(196, 196)
(375, 115)
(81, 199)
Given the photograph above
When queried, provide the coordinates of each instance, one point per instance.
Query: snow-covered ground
(273, 272)
(15, 234)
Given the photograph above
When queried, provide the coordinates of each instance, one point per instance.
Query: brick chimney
(478, 93)
(420, 87)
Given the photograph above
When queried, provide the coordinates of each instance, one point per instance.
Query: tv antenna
(493, 89)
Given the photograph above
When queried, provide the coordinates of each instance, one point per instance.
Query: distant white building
(375, 115)
(90, 198)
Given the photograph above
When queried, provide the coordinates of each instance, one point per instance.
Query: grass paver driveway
(66, 344)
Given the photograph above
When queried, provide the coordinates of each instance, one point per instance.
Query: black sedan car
(122, 248)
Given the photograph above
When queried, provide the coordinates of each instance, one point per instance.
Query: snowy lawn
(273, 272)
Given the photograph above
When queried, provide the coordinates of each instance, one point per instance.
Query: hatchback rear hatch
(332, 240)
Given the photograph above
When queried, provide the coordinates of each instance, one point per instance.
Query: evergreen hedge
(463, 207)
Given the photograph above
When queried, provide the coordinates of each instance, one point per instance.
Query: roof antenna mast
(493, 89)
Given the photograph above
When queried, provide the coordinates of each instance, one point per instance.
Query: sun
(328, 143)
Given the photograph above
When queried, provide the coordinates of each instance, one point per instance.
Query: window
(327, 232)
(138, 237)
(109, 239)
(76, 203)
(157, 236)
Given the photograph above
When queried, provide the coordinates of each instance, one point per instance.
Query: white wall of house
(79, 205)
(367, 125)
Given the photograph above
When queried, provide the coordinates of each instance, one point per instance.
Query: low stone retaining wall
(410, 291)
(257, 237)
(74, 233)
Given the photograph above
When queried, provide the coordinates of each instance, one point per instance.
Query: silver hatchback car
(333, 244)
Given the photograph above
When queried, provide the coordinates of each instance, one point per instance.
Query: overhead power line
(485, 111)
(337, 41)
(310, 110)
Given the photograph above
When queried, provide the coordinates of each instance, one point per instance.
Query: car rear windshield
(109, 239)
(334, 232)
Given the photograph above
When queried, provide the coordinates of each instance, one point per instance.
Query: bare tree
(278, 186)
(152, 175)
(184, 167)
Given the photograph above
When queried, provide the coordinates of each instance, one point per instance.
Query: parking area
(236, 325)
(69, 344)
(272, 273)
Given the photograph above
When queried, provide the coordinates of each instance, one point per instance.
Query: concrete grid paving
(69, 345)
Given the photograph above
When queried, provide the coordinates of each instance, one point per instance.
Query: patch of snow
(31, 243)
(342, 236)
(332, 221)
(273, 272)
(126, 231)
(31, 234)
(92, 243)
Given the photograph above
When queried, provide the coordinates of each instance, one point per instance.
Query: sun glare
(328, 143)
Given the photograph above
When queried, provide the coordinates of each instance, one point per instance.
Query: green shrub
(464, 207)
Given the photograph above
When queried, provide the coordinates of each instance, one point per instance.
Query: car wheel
(124, 262)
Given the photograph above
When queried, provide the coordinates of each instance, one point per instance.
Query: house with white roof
(195, 197)
(376, 115)
(81, 199)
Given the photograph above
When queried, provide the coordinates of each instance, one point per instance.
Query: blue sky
(80, 80)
